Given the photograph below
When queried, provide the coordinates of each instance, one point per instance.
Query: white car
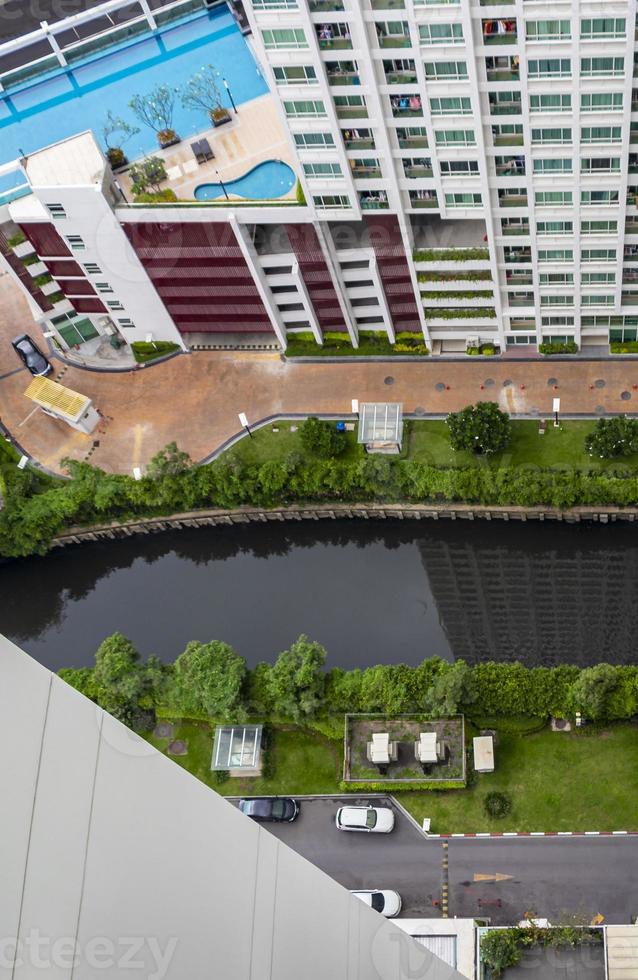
(368, 819)
(385, 901)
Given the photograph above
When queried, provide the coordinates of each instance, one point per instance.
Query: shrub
(42, 280)
(116, 157)
(617, 436)
(497, 805)
(167, 196)
(150, 172)
(500, 949)
(220, 776)
(624, 347)
(419, 785)
(299, 194)
(321, 438)
(459, 313)
(450, 254)
(144, 351)
(16, 240)
(547, 347)
(482, 428)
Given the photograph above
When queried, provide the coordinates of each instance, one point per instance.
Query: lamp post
(221, 184)
(244, 421)
(230, 94)
(556, 410)
(355, 406)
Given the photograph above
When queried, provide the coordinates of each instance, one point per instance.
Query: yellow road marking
(496, 877)
(597, 920)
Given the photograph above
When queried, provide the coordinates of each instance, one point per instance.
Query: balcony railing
(387, 4)
(631, 227)
(521, 300)
(499, 32)
(351, 112)
(516, 230)
(424, 202)
(503, 74)
(508, 139)
(512, 200)
(331, 41)
(406, 106)
(324, 6)
(510, 169)
(417, 171)
(505, 108)
(419, 143)
(401, 77)
(369, 203)
(366, 172)
(522, 255)
(343, 78)
(394, 41)
(519, 278)
(364, 143)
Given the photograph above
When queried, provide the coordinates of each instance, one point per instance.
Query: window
(525, 339)
(460, 168)
(92, 268)
(598, 278)
(274, 5)
(546, 199)
(598, 255)
(591, 67)
(56, 210)
(445, 71)
(554, 227)
(76, 242)
(550, 103)
(283, 39)
(548, 30)
(552, 135)
(549, 68)
(600, 165)
(616, 335)
(441, 33)
(451, 106)
(602, 27)
(556, 278)
(294, 74)
(467, 200)
(326, 201)
(126, 323)
(599, 227)
(350, 106)
(393, 34)
(326, 170)
(560, 165)
(314, 141)
(600, 101)
(555, 255)
(306, 109)
(114, 304)
(598, 198)
(505, 103)
(601, 134)
(558, 321)
(455, 137)
(562, 299)
(606, 300)
(103, 287)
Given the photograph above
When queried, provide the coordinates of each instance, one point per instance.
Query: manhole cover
(600, 383)
(599, 410)
(389, 380)
(419, 410)
(507, 383)
(625, 395)
(439, 386)
(489, 382)
(552, 381)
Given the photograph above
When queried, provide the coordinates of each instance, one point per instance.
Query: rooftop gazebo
(381, 427)
(237, 750)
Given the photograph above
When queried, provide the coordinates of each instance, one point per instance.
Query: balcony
(499, 31)
(495, 3)
(515, 230)
(512, 167)
(342, 73)
(510, 199)
(519, 278)
(423, 199)
(504, 108)
(522, 299)
(358, 139)
(333, 37)
(406, 106)
(373, 200)
(414, 171)
(515, 255)
(364, 170)
(351, 111)
(387, 4)
(631, 227)
(507, 139)
(324, 6)
(399, 76)
(408, 139)
(633, 163)
(386, 39)
(502, 68)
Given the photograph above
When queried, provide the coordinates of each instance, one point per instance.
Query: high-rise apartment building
(464, 174)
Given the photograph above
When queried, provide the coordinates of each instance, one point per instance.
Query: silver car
(366, 819)
(386, 901)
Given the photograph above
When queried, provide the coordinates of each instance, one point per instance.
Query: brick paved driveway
(194, 399)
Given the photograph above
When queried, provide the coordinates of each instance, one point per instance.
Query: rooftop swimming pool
(267, 180)
(77, 98)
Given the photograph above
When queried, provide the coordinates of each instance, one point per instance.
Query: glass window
(593, 198)
(559, 165)
(451, 106)
(554, 227)
(314, 140)
(294, 74)
(600, 101)
(548, 30)
(325, 201)
(467, 200)
(601, 134)
(550, 103)
(598, 255)
(555, 255)
(600, 165)
(460, 167)
(603, 27)
(455, 137)
(590, 67)
(549, 68)
(553, 198)
(598, 227)
(305, 109)
(445, 70)
(551, 135)
(329, 170)
(283, 38)
(441, 33)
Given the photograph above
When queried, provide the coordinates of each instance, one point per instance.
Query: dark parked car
(34, 360)
(271, 809)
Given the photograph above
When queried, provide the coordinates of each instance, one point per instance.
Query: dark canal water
(371, 592)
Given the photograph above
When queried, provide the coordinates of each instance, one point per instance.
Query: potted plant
(201, 92)
(155, 110)
(148, 173)
(115, 132)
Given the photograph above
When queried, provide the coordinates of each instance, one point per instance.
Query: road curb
(508, 834)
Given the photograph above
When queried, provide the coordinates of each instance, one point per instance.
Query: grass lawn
(301, 761)
(556, 781)
(429, 442)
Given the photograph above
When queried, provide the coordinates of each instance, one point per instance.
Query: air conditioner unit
(473, 342)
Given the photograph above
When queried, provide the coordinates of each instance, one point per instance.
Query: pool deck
(254, 136)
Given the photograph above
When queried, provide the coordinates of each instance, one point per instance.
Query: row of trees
(212, 680)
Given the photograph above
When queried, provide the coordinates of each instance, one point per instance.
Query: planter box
(50, 287)
(37, 269)
(24, 248)
(222, 120)
(164, 144)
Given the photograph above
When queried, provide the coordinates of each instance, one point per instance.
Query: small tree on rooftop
(201, 91)
(482, 428)
(156, 109)
(116, 131)
(150, 172)
(613, 437)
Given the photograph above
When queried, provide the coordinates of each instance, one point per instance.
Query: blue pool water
(270, 179)
(78, 98)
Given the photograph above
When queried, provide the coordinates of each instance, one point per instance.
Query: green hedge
(16, 240)
(457, 294)
(390, 785)
(480, 275)
(626, 347)
(459, 313)
(370, 345)
(571, 347)
(144, 352)
(516, 725)
(167, 196)
(450, 254)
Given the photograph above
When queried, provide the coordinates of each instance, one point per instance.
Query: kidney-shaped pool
(267, 180)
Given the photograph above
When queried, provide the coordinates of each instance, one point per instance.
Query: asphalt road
(554, 877)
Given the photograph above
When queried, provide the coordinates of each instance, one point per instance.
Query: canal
(371, 592)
